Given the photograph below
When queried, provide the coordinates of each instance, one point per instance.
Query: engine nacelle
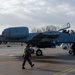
(15, 32)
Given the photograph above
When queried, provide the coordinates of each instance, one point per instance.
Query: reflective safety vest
(25, 50)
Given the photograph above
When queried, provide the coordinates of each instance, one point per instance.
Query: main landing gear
(70, 51)
(38, 52)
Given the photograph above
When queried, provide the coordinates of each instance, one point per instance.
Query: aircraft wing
(36, 37)
(21, 34)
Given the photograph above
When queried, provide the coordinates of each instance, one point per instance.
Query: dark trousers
(26, 59)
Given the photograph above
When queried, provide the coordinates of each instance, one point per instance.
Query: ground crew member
(27, 57)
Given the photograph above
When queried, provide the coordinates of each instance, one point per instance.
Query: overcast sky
(36, 13)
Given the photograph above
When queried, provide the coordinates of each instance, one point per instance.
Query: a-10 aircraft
(48, 39)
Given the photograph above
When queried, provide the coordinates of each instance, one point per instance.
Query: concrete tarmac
(55, 61)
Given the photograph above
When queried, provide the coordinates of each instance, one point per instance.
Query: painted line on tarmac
(73, 70)
(65, 71)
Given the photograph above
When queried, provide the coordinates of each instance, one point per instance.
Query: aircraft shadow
(65, 59)
(55, 59)
(43, 69)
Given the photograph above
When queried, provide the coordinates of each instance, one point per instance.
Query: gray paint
(16, 32)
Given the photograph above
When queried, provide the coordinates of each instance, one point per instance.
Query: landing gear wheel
(39, 52)
(70, 52)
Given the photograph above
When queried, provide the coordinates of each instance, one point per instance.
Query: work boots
(32, 65)
(23, 67)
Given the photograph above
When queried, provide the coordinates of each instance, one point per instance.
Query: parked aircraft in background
(48, 39)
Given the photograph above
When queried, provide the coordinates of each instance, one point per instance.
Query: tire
(39, 53)
(70, 52)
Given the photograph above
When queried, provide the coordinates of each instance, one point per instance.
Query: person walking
(27, 57)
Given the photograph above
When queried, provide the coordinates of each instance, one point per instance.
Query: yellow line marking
(68, 72)
(61, 73)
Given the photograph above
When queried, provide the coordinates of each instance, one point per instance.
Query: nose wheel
(39, 52)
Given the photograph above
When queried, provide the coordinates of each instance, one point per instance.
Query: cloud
(33, 13)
